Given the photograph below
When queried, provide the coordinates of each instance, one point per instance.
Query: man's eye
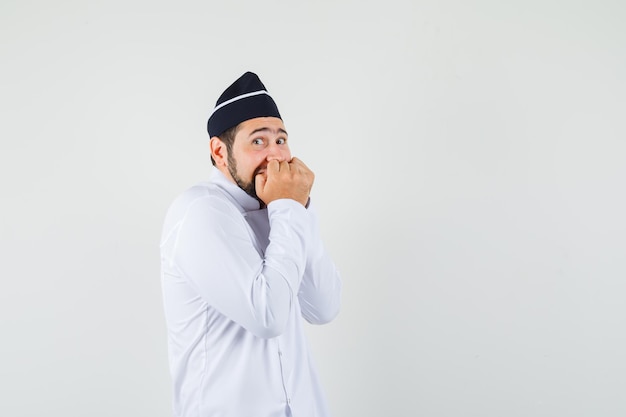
(280, 141)
(257, 141)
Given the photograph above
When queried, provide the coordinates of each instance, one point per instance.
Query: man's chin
(248, 187)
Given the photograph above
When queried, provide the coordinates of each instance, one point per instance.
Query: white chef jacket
(236, 281)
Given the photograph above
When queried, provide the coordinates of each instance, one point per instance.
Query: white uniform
(236, 281)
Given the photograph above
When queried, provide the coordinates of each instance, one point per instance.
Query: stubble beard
(248, 186)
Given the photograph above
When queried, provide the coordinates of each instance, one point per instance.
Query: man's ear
(218, 151)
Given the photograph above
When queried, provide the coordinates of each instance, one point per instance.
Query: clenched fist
(285, 179)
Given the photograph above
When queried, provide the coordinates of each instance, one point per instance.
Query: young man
(242, 265)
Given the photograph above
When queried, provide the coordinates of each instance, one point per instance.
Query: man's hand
(285, 179)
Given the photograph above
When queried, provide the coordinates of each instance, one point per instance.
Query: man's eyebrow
(263, 129)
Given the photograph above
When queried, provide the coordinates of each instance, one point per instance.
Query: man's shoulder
(199, 190)
(203, 200)
(205, 193)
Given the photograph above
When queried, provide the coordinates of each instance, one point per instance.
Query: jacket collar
(245, 202)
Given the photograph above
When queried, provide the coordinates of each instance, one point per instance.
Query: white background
(470, 160)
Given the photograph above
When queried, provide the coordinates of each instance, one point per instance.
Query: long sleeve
(237, 281)
(215, 250)
(320, 289)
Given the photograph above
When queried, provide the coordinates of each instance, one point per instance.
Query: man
(242, 264)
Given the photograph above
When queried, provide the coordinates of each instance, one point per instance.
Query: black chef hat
(245, 99)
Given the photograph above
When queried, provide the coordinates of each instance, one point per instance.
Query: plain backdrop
(470, 175)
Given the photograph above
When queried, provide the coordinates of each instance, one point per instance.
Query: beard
(248, 186)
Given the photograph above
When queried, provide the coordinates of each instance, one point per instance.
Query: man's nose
(275, 153)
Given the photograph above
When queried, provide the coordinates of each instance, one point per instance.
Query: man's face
(257, 142)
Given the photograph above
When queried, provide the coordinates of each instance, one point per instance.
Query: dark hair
(228, 137)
